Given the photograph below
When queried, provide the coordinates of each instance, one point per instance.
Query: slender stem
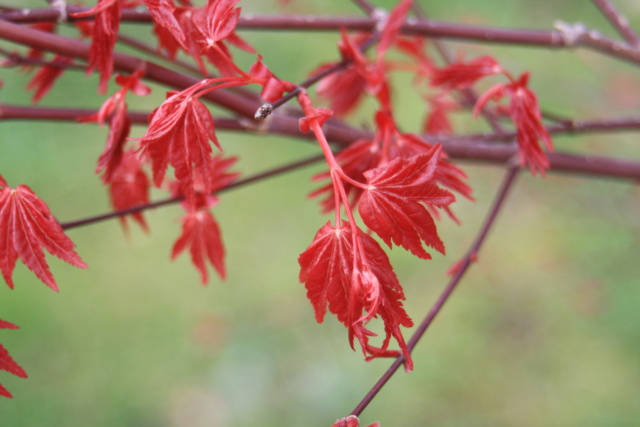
(498, 203)
(618, 21)
(169, 201)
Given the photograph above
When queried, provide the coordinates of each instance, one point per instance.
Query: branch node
(381, 16)
(61, 6)
(571, 33)
(264, 111)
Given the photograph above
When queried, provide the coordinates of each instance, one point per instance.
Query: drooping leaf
(352, 421)
(525, 114)
(27, 228)
(395, 204)
(392, 27)
(179, 135)
(201, 235)
(461, 75)
(162, 14)
(103, 38)
(43, 81)
(129, 187)
(352, 276)
(6, 361)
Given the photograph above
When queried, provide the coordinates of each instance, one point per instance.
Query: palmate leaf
(6, 361)
(395, 203)
(357, 284)
(179, 135)
(27, 228)
(201, 234)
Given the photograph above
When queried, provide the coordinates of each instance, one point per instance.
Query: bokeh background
(544, 329)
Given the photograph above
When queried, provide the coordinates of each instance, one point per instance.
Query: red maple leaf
(461, 75)
(27, 228)
(352, 275)
(119, 124)
(394, 205)
(525, 114)
(6, 361)
(201, 234)
(179, 134)
(103, 38)
(392, 27)
(129, 187)
(162, 14)
(43, 80)
(215, 24)
(272, 87)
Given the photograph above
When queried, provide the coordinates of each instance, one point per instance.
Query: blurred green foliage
(543, 330)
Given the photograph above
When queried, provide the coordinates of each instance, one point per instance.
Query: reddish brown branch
(477, 148)
(465, 263)
(618, 21)
(173, 200)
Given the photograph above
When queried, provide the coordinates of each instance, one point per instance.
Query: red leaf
(6, 361)
(179, 135)
(219, 178)
(272, 87)
(352, 275)
(214, 24)
(396, 200)
(129, 187)
(111, 157)
(459, 75)
(104, 37)
(162, 14)
(43, 80)
(392, 27)
(525, 114)
(27, 227)
(201, 234)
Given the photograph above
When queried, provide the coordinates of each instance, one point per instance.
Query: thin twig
(507, 185)
(289, 167)
(618, 21)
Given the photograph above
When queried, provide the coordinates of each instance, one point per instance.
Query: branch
(173, 200)
(618, 21)
(478, 148)
(498, 203)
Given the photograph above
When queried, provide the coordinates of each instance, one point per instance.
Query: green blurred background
(544, 329)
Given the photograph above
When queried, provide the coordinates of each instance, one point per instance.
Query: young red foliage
(129, 187)
(201, 234)
(178, 134)
(103, 38)
(119, 125)
(394, 205)
(163, 16)
(200, 230)
(215, 24)
(272, 87)
(525, 113)
(437, 120)
(351, 275)
(6, 361)
(461, 75)
(44, 79)
(27, 227)
(392, 27)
